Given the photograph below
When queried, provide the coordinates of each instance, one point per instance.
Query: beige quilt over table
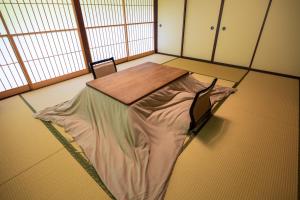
(133, 148)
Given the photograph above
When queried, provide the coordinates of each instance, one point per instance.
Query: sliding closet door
(200, 28)
(170, 22)
(239, 30)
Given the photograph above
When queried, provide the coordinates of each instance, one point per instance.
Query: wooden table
(130, 85)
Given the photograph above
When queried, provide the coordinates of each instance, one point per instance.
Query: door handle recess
(224, 28)
(212, 28)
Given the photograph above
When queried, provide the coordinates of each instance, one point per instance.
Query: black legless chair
(103, 67)
(200, 110)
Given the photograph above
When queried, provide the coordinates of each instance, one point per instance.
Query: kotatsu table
(132, 131)
(130, 85)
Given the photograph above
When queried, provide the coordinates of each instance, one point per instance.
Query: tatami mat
(156, 58)
(209, 79)
(57, 93)
(59, 177)
(222, 72)
(248, 150)
(24, 140)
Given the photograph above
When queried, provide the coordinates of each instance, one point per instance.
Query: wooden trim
(130, 58)
(16, 51)
(125, 28)
(183, 27)
(260, 33)
(14, 91)
(40, 32)
(138, 23)
(140, 55)
(275, 73)
(235, 66)
(82, 33)
(59, 79)
(217, 30)
(121, 60)
(168, 54)
(117, 25)
(155, 6)
(298, 192)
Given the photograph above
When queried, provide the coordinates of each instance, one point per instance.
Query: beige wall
(279, 47)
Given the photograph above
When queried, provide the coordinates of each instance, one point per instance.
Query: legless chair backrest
(200, 109)
(103, 67)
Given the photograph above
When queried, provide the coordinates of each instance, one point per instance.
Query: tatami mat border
(74, 153)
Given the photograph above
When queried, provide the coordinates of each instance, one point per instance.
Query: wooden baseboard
(14, 91)
(234, 66)
(130, 58)
(59, 79)
(140, 55)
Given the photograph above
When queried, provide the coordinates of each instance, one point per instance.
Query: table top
(130, 85)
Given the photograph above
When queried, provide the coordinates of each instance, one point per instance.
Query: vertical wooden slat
(81, 32)
(125, 28)
(18, 56)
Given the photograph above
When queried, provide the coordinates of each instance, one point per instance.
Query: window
(41, 45)
(11, 74)
(45, 35)
(119, 28)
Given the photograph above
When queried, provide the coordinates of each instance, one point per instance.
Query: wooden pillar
(155, 5)
(82, 33)
(125, 27)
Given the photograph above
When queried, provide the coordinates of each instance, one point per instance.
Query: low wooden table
(130, 85)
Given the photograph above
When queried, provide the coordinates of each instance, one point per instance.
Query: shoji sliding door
(122, 29)
(45, 34)
(104, 24)
(40, 42)
(140, 26)
(12, 78)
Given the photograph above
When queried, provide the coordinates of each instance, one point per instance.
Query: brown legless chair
(200, 110)
(103, 67)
